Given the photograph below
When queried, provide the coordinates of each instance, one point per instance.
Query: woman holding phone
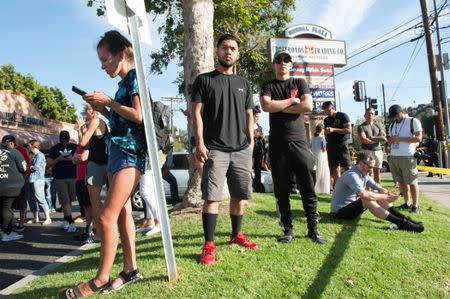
(126, 162)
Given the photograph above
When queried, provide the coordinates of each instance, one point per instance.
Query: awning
(47, 140)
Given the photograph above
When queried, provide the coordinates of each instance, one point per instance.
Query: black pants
(172, 180)
(293, 157)
(7, 213)
(258, 186)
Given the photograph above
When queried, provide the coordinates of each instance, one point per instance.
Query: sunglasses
(368, 165)
(285, 59)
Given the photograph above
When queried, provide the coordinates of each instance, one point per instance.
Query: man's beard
(225, 63)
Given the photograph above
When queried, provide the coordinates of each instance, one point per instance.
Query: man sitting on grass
(351, 198)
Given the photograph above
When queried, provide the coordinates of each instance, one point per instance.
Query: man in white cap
(287, 99)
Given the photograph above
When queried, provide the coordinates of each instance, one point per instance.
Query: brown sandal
(76, 291)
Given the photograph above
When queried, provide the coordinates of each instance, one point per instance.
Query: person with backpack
(404, 133)
(371, 135)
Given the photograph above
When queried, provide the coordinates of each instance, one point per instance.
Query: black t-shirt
(226, 99)
(336, 121)
(286, 126)
(63, 169)
(12, 169)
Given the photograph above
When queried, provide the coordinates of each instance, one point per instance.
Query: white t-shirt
(403, 129)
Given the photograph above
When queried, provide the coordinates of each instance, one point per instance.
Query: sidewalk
(435, 188)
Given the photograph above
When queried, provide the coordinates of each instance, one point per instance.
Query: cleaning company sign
(311, 51)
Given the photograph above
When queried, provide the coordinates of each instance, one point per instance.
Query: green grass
(362, 259)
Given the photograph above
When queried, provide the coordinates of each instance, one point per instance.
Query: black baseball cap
(394, 110)
(64, 136)
(9, 138)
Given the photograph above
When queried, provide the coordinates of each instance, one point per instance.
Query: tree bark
(198, 16)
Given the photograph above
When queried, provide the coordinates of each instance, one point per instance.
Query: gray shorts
(96, 174)
(65, 188)
(236, 167)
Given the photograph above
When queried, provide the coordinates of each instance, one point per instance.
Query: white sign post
(132, 12)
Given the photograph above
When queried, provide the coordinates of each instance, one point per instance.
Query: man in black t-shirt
(64, 177)
(337, 126)
(223, 122)
(287, 99)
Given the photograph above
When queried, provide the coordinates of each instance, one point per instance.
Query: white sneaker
(71, 228)
(156, 229)
(12, 236)
(64, 225)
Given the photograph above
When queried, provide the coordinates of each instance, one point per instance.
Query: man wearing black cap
(12, 169)
(337, 126)
(287, 99)
(64, 177)
(404, 133)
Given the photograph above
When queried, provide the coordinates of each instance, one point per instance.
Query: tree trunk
(198, 58)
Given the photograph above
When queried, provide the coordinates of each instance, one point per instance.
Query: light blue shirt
(348, 186)
(37, 168)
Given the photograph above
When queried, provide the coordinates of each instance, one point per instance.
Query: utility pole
(436, 93)
(172, 100)
(443, 83)
(384, 106)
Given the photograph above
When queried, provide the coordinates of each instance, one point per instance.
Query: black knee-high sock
(236, 224)
(394, 219)
(395, 212)
(209, 226)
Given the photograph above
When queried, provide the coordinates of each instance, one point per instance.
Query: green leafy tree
(253, 22)
(423, 112)
(51, 101)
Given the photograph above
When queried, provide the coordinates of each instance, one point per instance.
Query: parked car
(180, 170)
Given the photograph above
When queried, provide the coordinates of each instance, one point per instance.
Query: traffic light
(357, 92)
(374, 105)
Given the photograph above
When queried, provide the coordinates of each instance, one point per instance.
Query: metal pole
(436, 93)
(443, 87)
(384, 104)
(150, 137)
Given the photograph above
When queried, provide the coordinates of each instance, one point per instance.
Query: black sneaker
(18, 228)
(409, 226)
(316, 237)
(286, 237)
(414, 209)
(413, 221)
(404, 207)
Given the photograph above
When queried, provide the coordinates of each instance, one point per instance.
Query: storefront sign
(311, 51)
(307, 29)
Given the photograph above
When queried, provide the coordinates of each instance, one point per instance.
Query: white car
(180, 170)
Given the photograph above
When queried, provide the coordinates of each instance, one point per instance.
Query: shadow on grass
(332, 260)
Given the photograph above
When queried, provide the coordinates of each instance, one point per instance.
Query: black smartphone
(78, 91)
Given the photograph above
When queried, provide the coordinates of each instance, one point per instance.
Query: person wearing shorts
(404, 134)
(64, 177)
(287, 99)
(371, 134)
(92, 135)
(351, 198)
(337, 127)
(223, 122)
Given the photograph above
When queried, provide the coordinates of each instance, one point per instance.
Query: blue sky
(54, 41)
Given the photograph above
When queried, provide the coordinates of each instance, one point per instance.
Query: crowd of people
(227, 140)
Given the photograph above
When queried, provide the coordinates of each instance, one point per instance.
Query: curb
(43, 271)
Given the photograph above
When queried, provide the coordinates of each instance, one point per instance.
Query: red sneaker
(208, 256)
(243, 241)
